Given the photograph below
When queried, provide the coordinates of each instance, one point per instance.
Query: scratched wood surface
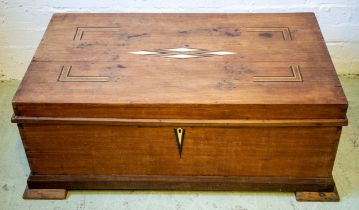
(256, 97)
(181, 66)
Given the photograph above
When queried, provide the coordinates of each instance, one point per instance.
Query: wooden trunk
(181, 101)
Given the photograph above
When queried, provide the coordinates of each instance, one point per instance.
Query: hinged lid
(182, 66)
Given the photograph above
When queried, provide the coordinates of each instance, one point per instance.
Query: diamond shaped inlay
(143, 52)
(181, 56)
(182, 53)
(221, 53)
(183, 49)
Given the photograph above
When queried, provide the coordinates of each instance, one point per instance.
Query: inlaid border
(286, 34)
(80, 31)
(296, 76)
(66, 77)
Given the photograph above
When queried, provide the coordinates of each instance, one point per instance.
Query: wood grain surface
(207, 151)
(150, 182)
(45, 194)
(274, 66)
(181, 122)
(256, 96)
(323, 196)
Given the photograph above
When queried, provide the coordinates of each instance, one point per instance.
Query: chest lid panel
(220, 66)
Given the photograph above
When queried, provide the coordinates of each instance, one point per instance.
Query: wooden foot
(318, 196)
(45, 194)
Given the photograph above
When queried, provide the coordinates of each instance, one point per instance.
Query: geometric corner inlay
(296, 76)
(287, 36)
(66, 77)
(80, 31)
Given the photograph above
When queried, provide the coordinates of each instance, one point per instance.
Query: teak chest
(181, 101)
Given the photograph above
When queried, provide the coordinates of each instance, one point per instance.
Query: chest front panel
(202, 151)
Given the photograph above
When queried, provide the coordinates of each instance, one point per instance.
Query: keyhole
(179, 132)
